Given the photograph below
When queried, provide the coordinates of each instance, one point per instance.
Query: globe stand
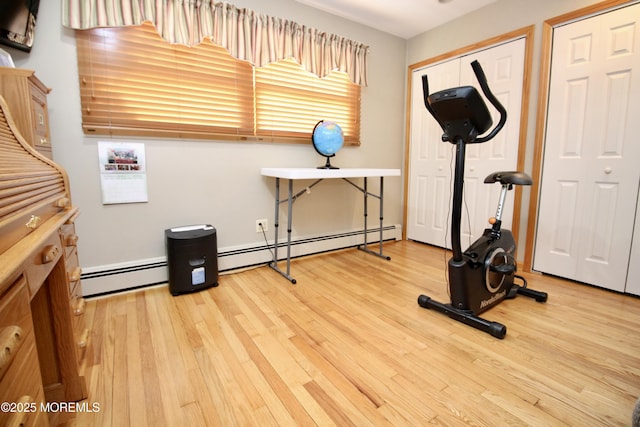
(327, 138)
(328, 165)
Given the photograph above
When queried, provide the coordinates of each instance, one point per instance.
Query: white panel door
(590, 176)
(431, 160)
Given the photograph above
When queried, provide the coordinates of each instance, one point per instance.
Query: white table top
(314, 173)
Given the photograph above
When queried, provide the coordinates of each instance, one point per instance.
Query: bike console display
(461, 113)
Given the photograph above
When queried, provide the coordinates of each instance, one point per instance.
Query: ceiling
(402, 18)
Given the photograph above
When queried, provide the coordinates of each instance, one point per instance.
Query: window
(132, 82)
(290, 101)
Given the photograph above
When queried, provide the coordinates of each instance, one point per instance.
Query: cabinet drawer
(14, 228)
(79, 325)
(81, 338)
(69, 238)
(80, 331)
(74, 271)
(77, 304)
(15, 312)
(14, 306)
(42, 262)
(40, 118)
(21, 385)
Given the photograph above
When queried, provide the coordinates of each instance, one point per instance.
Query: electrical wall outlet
(262, 225)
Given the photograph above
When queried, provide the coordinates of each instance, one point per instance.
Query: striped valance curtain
(254, 37)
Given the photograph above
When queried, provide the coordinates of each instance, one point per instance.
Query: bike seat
(515, 177)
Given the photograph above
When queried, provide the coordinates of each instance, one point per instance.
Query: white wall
(212, 181)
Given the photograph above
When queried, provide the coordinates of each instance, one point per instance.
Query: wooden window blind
(290, 101)
(132, 82)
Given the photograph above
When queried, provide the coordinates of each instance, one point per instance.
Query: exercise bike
(483, 275)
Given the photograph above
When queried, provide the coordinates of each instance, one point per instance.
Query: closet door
(589, 188)
(430, 164)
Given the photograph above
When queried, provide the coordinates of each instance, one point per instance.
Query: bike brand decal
(493, 299)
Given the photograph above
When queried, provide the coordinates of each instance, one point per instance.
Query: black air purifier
(192, 258)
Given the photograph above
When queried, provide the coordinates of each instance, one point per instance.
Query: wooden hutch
(42, 331)
(26, 97)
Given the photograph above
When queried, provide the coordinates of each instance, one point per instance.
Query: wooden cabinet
(26, 96)
(40, 319)
(20, 383)
(42, 331)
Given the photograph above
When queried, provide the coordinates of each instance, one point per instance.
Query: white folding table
(347, 174)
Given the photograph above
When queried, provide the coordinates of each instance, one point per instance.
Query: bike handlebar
(482, 79)
(425, 94)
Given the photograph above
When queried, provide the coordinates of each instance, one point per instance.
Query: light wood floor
(349, 345)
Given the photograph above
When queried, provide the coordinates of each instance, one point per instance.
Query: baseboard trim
(114, 278)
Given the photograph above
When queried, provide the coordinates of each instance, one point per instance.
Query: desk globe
(327, 138)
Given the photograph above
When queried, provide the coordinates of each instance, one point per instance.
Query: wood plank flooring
(348, 345)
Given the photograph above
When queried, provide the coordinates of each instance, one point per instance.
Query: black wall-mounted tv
(18, 23)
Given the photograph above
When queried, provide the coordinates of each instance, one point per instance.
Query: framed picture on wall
(18, 23)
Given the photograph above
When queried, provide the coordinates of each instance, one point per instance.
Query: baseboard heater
(114, 278)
